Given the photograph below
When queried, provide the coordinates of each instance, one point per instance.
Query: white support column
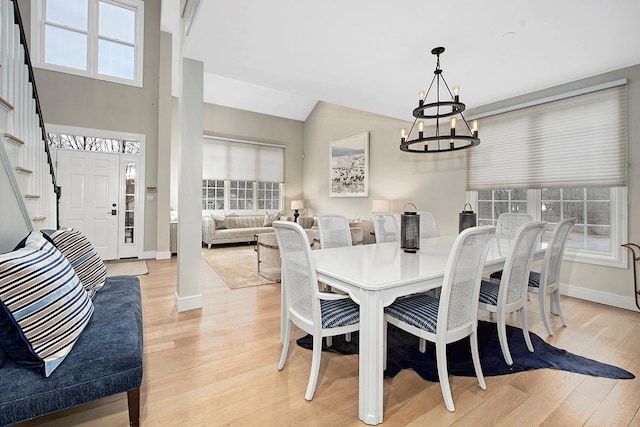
(190, 110)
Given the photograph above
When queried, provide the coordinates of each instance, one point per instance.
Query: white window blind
(243, 161)
(270, 164)
(214, 159)
(578, 141)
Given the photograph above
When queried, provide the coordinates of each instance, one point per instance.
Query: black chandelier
(437, 110)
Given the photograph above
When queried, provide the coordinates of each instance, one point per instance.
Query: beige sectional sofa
(218, 229)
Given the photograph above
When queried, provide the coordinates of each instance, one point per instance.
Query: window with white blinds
(225, 159)
(576, 141)
(241, 176)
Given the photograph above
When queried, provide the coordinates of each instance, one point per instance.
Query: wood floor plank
(217, 366)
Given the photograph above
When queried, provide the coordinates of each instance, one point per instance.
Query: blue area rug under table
(403, 354)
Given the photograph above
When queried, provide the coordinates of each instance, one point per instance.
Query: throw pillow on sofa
(43, 306)
(219, 220)
(82, 255)
(269, 218)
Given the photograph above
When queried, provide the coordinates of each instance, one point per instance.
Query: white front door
(89, 201)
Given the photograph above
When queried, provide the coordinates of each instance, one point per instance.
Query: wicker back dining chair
(385, 227)
(548, 280)
(320, 314)
(334, 231)
(428, 226)
(510, 293)
(454, 315)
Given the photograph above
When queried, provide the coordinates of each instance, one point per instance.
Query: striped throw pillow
(43, 306)
(82, 255)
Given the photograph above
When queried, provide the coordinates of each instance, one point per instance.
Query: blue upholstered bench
(106, 360)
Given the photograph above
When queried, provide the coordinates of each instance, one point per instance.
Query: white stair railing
(24, 143)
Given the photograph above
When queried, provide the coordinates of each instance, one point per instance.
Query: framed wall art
(349, 172)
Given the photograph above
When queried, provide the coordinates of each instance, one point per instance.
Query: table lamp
(296, 205)
(380, 206)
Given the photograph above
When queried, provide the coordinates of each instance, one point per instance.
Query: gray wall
(434, 183)
(437, 182)
(84, 102)
(238, 124)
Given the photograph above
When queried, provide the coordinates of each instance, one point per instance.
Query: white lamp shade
(297, 204)
(381, 206)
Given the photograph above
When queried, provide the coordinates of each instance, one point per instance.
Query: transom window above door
(101, 39)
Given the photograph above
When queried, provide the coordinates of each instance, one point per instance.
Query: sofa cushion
(82, 255)
(43, 306)
(269, 218)
(244, 221)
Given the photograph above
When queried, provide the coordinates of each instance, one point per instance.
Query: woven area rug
(237, 266)
(126, 268)
(403, 354)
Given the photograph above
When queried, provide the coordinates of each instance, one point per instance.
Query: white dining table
(374, 276)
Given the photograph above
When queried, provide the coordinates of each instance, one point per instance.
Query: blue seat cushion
(342, 312)
(106, 360)
(489, 292)
(420, 311)
(534, 279)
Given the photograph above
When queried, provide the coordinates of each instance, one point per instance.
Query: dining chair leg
(329, 341)
(422, 346)
(347, 337)
(315, 366)
(525, 330)
(544, 312)
(475, 356)
(285, 346)
(556, 299)
(443, 376)
(502, 337)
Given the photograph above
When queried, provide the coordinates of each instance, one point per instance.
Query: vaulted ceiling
(280, 57)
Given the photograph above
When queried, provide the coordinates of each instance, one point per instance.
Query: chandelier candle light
(437, 110)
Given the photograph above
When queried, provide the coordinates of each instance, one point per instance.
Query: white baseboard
(163, 255)
(598, 296)
(188, 303)
(149, 255)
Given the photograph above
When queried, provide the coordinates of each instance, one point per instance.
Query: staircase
(28, 190)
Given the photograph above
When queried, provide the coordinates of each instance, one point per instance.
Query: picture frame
(349, 166)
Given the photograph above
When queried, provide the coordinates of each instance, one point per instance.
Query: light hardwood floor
(218, 366)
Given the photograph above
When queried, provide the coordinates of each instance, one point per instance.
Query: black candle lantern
(410, 230)
(468, 218)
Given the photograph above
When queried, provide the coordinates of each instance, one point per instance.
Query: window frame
(38, 21)
(616, 257)
(255, 200)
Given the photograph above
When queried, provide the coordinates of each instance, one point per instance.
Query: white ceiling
(280, 57)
